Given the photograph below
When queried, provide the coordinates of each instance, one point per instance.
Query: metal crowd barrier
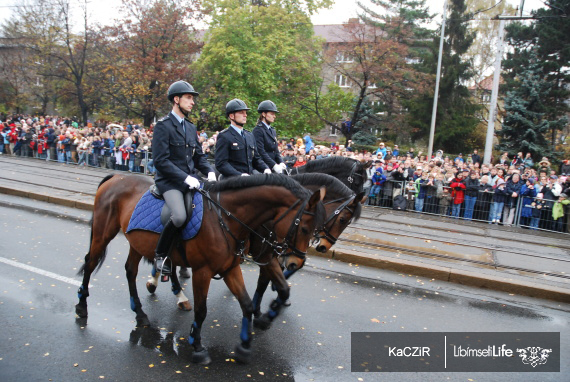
(527, 212)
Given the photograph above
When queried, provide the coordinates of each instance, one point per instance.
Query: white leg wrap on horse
(181, 297)
(154, 280)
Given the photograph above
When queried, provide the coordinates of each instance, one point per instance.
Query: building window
(486, 98)
(343, 57)
(342, 81)
(333, 131)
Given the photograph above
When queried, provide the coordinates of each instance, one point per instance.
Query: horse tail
(104, 254)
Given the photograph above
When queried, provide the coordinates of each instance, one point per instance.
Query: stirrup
(164, 266)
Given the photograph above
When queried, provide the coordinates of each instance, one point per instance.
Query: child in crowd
(378, 180)
(499, 198)
(536, 207)
(458, 194)
(558, 212)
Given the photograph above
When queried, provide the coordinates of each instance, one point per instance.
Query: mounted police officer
(266, 137)
(236, 152)
(177, 155)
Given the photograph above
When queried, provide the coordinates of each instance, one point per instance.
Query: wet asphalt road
(41, 339)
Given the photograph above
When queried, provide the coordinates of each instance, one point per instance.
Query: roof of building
(486, 83)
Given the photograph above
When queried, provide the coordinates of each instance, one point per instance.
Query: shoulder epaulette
(163, 118)
(224, 130)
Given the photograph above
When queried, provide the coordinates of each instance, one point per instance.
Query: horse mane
(240, 182)
(328, 163)
(334, 187)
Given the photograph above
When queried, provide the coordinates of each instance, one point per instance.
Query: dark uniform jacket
(176, 154)
(234, 156)
(266, 140)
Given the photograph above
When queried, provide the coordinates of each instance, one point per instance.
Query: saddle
(166, 212)
(151, 213)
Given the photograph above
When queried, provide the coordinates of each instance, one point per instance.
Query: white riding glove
(284, 166)
(212, 177)
(244, 174)
(267, 171)
(192, 182)
(278, 169)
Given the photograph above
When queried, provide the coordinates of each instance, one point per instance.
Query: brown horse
(238, 207)
(342, 207)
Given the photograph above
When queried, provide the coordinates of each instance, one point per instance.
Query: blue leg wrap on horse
(192, 331)
(175, 289)
(133, 306)
(272, 313)
(244, 335)
(81, 292)
(288, 273)
(153, 272)
(255, 300)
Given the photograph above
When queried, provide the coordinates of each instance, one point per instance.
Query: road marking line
(40, 271)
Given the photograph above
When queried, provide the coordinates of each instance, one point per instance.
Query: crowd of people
(511, 190)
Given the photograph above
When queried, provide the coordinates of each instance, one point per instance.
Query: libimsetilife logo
(534, 355)
(501, 352)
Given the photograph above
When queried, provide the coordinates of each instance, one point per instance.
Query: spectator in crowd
(558, 212)
(396, 151)
(565, 168)
(301, 161)
(475, 156)
(528, 162)
(536, 208)
(471, 192)
(378, 179)
(499, 199)
(513, 188)
(544, 166)
(528, 192)
(458, 194)
(431, 200)
(381, 150)
(484, 199)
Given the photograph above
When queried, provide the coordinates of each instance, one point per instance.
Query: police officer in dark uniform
(266, 137)
(236, 151)
(177, 155)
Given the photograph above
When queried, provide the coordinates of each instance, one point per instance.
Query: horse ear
(367, 165)
(317, 196)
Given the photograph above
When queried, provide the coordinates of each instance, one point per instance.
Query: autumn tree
(46, 30)
(257, 51)
(456, 117)
(363, 60)
(151, 45)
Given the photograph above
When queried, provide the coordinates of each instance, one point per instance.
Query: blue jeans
(534, 223)
(455, 209)
(61, 156)
(419, 204)
(469, 205)
(375, 191)
(496, 211)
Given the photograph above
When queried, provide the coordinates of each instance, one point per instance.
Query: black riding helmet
(180, 88)
(235, 105)
(267, 106)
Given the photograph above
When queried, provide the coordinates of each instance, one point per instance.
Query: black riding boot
(162, 261)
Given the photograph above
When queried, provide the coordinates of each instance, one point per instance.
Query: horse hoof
(201, 357)
(150, 287)
(143, 322)
(243, 355)
(262, 322)
(81, 310)
(185, 306)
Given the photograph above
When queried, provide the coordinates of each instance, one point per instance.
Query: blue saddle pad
(146, 216)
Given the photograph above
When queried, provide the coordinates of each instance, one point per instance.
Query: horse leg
(183, 303)
(279, 281)
(235, 283)
(200, 287)
(153, 283)
(100, 238)
(132, 269)
(262, 284)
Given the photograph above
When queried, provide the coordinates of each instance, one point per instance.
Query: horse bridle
(279, 248)
(332, 219)
(353, 173)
